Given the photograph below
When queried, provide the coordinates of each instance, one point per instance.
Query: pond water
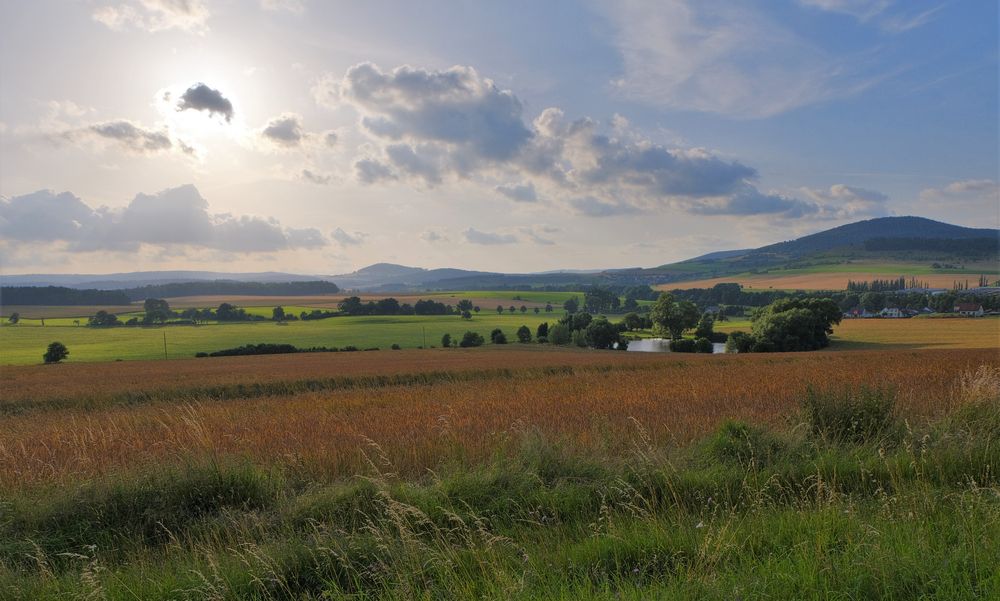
(662, 345)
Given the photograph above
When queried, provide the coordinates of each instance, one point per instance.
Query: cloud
(155, 15)
(474, 236)
(533, 234)
(330, 138)
(594, 207)
(456, 107)
(432, 236)
(132, 137)
(721, 58)
(842, 201)
(316, 178)
(176, 217)
(972, 191)
(751, 201)
(200, 97)
(293, 6)
(877, 12)
(518, 192)
(345, 239)
(370, 171)
(284, 131)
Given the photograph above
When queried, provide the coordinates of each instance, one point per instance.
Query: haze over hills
(889, 240)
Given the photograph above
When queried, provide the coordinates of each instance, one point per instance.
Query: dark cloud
(200, 97)
(285, 131)
(370, 171)
(518, 192)
(173, 217)
(751, 201)
(408, 161)
(456, 107)
(128, 135)
(316, 178)
(474, 236)
(346, 239)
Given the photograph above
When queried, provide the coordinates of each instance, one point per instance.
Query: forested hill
(59, 295)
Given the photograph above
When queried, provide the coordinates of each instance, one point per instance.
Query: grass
(24, 344)
(533, 491)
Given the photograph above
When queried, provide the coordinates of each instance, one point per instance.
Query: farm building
(892, 312)
(969, 309)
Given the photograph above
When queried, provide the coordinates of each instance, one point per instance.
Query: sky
(319, 137)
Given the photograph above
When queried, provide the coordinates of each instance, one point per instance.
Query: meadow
(836, 276)
(25, 343)
(504, 474)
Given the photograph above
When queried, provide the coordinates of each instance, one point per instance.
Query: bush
(446, 340)
(682, 345)
(560, 334)
(524, 334)
(866, 414)
(579, 338)
(395, 347)
(740, 443)
(471, 339)
(56, 352)
(703, 345)
(498, 337)
(739, 342)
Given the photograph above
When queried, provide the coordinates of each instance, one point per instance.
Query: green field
(25, 343)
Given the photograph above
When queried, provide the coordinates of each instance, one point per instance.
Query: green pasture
(971, 271)
(25, 343)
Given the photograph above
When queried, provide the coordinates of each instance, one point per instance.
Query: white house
(969, 309)
(891, 312)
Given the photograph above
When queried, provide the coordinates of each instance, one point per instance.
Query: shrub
(560, 334)
(682, 345)
(56, 352)
(579, 338)
(739, 342)
(498, 337)
(866, 414)
(471, 339)
(703, 345)
(740, 443)
(446, 340)
(395, 347)
(524, 334)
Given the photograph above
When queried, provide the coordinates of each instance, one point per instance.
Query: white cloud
(155, 15)
(474, 236)
(841, 201)
(518, 192)
(882, 13)
(346, 239)
(721, 58)
(981, 191)
(293, 6)
(174, 218)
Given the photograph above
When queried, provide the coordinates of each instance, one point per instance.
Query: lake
(662, 345)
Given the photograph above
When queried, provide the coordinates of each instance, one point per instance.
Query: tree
(560, 334)
(548, 307)
(794, 324)
(278, 314)
(873, 301)
(466, 315)
(498, 337)
(672, 317)
(512, 308)
(103, 319)
(476, 308)
(572, 305)
(464, 305)
(542, 331)
(601, 333)
(56, 352)
(471, 339)
(706, 327)
(630, 304)
(537, 310)
(14, 318)
(157, 310)
(446, 340)
(524, 309)
(499, 309)
(524, 334)
(632, 321)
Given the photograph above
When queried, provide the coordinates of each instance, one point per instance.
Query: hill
(938, 254)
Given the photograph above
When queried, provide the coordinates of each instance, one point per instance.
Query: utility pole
(164, 345)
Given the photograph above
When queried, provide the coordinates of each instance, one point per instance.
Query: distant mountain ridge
(831, 246)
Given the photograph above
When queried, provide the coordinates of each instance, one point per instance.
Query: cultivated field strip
(597, 410)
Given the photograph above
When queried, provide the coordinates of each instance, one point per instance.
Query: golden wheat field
(598, 403)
